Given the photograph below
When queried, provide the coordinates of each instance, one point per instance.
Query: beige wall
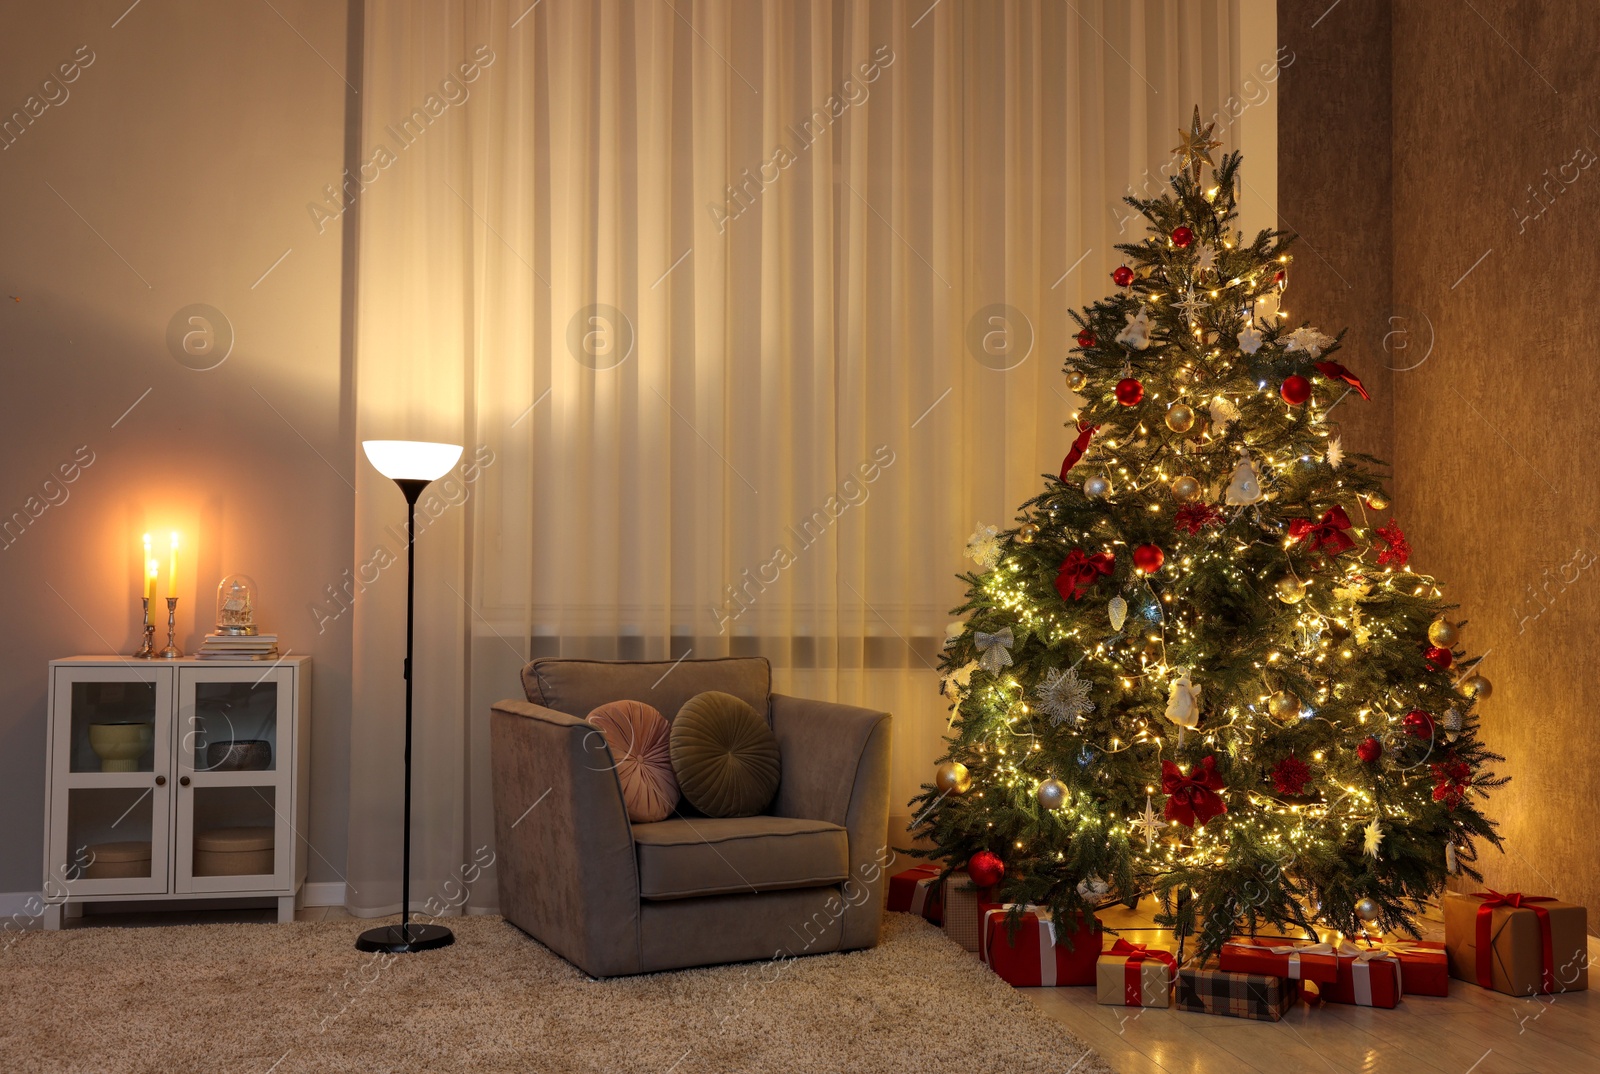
(175, 169)
(1409, 150)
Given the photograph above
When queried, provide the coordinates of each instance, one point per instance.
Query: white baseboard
(15, 906)
(322, 893)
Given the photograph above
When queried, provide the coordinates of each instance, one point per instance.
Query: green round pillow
(725, 756)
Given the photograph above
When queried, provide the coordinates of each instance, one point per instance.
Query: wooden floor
(1473, 1030)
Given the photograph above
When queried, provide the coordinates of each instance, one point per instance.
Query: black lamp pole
(406, 937)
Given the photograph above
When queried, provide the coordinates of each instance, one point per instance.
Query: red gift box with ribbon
(916, 891)
(1368, 977)
(1518, 944)
(1425, 971)
(1135, 975)
(1298, 960)
(1037, 955)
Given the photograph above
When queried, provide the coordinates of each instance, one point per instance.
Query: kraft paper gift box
(963, 920)
(1135, 975)
(1037, 955)
(917, 891)
(1518, 944)
(1206, 988)
(1298, 960)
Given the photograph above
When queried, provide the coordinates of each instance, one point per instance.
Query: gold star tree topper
(1195, 145)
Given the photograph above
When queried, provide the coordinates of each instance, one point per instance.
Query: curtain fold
(746, 314)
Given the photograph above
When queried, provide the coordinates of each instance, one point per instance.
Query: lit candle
(149, 580)
(172, 569)
(151, 570)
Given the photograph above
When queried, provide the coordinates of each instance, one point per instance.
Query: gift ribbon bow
(1516, 900)
(1335, 371)
(1079, 572)
(1137, 954)
(1079, 446)
(1193, 797)
(1326, 533)
(996, 649)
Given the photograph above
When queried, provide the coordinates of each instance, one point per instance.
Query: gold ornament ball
(1378, 501)
(1283, 706)
(952, 777)
(1052, 794)
(1180, 417)
(1186, 489)
(1444, 633)
(1476, 687)
(1291, 590)
(1368, 910)
(1076, 380)
(1028, 532)
(1097, 488)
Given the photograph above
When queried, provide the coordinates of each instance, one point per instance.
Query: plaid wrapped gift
(963, 919)
(1206, 988)
(1038, 956)
(1426, 970)
(1367, 978)
(1135, 975)
(916, 891)
(1298, 960)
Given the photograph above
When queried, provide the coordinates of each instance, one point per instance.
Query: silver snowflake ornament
(1063, 696)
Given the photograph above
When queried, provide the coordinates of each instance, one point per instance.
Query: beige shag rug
(249, 999)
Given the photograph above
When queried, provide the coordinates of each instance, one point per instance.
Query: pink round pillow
(639, 738)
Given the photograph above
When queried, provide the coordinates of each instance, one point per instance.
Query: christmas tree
(1200, 666)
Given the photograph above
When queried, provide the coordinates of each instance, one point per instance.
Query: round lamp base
(401, 939)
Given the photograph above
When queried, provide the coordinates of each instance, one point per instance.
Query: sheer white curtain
(748, 313)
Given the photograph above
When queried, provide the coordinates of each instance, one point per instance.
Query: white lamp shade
(411, 460)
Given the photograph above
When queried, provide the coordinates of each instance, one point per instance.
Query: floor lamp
(411, 464)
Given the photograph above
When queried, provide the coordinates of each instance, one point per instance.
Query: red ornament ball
(1182, 237)
(1296, 389)
(1370, 750)
(1086, 339)
(1129, 391)
(986, 869)
(1439, 657)
(1290, 774)
(1418, 724)
(1148, 558)
(1122, 276)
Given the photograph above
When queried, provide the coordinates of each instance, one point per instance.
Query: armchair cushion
(637, 736)
(724, 755)
(578, 687)
(692, 856)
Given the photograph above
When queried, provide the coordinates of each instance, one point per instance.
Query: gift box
(1207, 988)
(963, 920)
(916, 891)
(1367, 978)
(1135, 975)
(1517, 944)
(1037, 955)
(1424, 969)
(1298, 960)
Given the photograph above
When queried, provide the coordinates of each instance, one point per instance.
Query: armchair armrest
(564, 848)
(836, 768)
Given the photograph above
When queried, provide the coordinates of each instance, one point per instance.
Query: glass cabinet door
(235, 736)
(110, 780)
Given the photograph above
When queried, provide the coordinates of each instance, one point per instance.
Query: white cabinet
(174, 780)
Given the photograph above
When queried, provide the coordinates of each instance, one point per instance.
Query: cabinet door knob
(161, 781)
(183, 781)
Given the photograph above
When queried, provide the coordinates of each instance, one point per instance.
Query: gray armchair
(618, 898)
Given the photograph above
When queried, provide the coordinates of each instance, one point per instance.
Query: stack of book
(238, 647)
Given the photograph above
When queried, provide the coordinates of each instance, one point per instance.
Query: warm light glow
(172, 568)
(411, 460)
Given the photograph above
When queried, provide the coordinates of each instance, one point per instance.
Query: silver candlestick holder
(148, 649)
(171, 652)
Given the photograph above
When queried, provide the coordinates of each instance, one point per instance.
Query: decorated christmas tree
(1200, 665)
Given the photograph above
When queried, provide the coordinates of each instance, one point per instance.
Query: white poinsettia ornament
(1250, 339)
(1308, 341)
(1244, 487)
(1136, 333)
(1183, 701)
(1222, 412)
(983, 547)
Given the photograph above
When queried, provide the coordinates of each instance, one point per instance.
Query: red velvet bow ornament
(1326, 533)
(1335, 371)
(1079, 572)
(1193, 800)
(1194, 517)
(1451, 778)
(1079, 446)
